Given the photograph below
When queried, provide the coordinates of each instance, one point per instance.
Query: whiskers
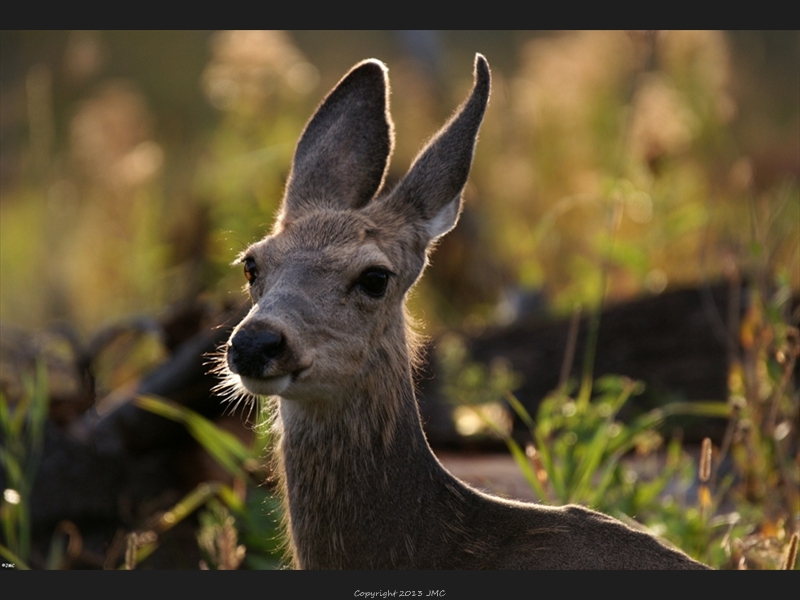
(230, 388)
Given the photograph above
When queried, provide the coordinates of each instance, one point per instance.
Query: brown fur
(362, 487)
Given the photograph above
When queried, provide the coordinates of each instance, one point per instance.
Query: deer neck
(359, 475)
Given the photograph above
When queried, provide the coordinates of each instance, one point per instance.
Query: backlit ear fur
(430, 193)
(341, 158)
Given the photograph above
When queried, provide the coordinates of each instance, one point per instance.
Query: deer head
(328, 284)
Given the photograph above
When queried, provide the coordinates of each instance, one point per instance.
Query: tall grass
(22, 434)
(239, 523)
(732, 506)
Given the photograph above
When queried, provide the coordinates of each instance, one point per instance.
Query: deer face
(327, 294)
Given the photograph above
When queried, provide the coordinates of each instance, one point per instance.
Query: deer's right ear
(341, 158)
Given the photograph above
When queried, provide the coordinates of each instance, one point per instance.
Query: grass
(22, 430)
(244, 511)
(736, 506)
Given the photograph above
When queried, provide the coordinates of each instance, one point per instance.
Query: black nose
(250, 350)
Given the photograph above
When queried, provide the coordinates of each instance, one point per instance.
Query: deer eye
(374, 281)
(250, 270)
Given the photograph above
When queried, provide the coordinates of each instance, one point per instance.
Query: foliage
(736, 506)
(226, 512)
(218, 539)
(22, 436)
(238, 522)
(582, 454)
(121, 198)
(468, 382)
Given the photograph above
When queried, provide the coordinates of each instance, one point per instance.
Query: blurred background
(135, 165)
(613, 168)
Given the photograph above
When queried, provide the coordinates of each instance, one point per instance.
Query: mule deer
(327, 335)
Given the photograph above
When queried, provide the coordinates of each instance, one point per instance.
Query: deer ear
(431, 191)
(341, 158)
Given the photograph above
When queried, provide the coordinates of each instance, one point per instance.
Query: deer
(328, 340)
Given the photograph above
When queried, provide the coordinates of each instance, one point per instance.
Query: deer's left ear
(430, 194)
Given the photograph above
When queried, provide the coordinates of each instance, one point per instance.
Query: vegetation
(22, 433)
(244, 511)
(716, 505)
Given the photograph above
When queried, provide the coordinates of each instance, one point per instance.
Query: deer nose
(251, 350)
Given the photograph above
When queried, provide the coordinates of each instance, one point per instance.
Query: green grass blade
(598, 447)
(223, 446)
(525, 466)
(521, 411)
(554, 472)
(13, 558)
(542, 448)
